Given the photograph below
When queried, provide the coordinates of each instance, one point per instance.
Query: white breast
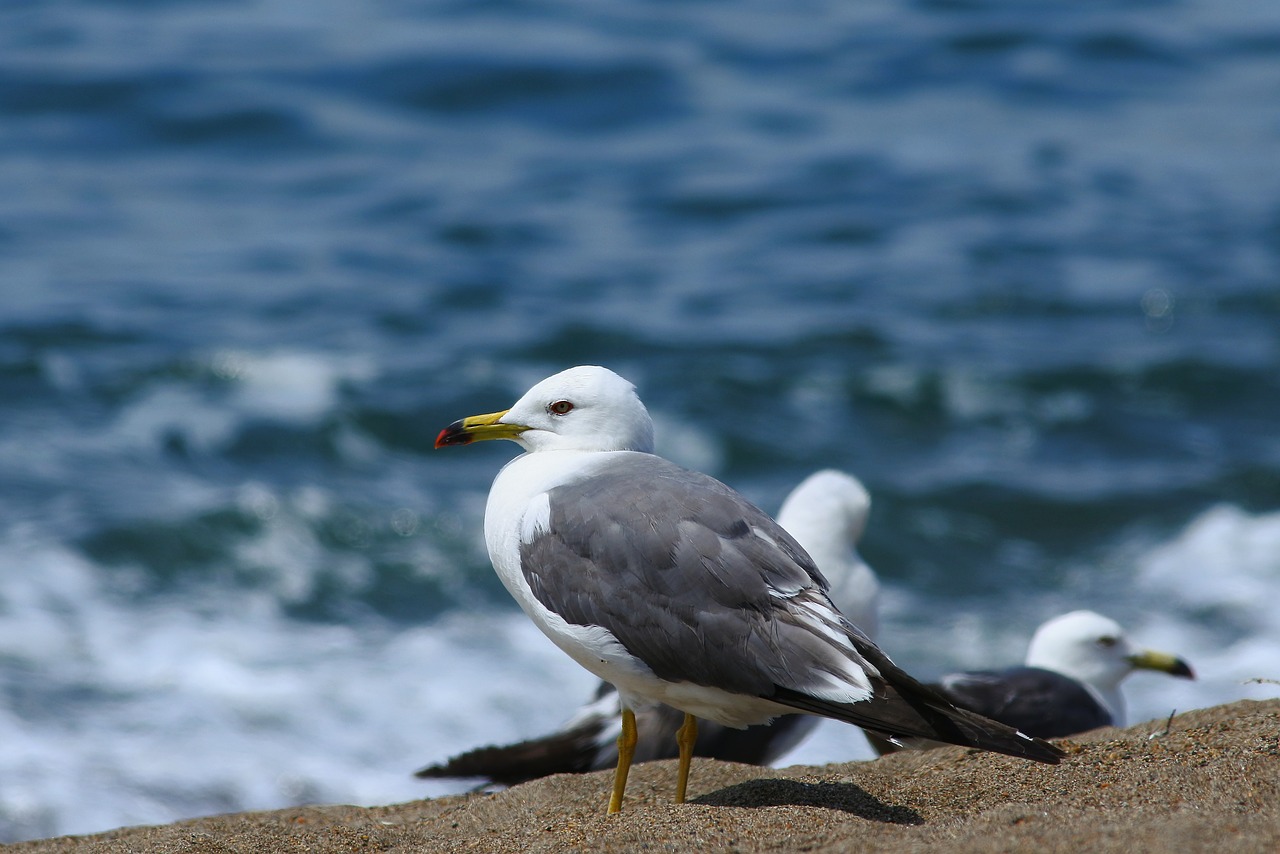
(518, 509)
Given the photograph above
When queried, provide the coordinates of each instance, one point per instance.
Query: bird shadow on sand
(845, 797)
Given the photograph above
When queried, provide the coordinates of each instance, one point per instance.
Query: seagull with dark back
(1070, 682)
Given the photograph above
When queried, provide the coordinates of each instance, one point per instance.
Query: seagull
(1069, 684)
(1071, 681)
(675, 589)
(827, 514)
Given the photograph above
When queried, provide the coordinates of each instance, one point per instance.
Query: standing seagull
(673, 588)
(827, 514)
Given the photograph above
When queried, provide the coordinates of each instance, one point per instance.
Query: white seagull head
(587, 408)
(1094, 650)
(827, 514)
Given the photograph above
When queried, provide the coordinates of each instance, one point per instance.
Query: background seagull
(1070, 683)
(827, 514)
(673, 588)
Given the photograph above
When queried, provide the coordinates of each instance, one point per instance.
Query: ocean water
(1014, 263)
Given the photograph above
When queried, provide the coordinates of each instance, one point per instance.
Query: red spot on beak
(454, 434)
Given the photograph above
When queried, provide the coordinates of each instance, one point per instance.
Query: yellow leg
(626, 750)
(686, 736)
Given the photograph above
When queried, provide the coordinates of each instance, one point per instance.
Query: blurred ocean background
(1015, 263)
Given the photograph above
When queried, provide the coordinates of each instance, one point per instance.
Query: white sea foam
(285, 387)
(1226, 560)
(163, 711)
(289, 386)
(1213, 600)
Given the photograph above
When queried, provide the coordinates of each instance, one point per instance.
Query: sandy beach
(1209, 782)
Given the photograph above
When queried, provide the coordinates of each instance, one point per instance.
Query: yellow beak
(1149, 659)
(477, 428)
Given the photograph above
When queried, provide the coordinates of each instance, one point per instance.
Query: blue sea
(1014, 263)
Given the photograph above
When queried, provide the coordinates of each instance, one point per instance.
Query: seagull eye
(560, 407)
(1107, 641)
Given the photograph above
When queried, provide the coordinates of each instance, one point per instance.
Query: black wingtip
(1043, 751)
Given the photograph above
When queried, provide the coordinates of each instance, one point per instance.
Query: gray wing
(703, 587)
(1038, 702)
(672, 563)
